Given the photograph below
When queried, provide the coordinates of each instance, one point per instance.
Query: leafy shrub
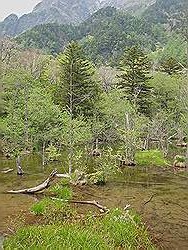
(179, 158)
(97, 178)
(52, 153)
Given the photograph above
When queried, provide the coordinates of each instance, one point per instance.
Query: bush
(179, 158)
(97, 178)
(150, 158)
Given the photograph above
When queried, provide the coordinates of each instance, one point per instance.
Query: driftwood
(63, 175)
(38, 188)
(93, 203)
(183, 145)
(7, 171)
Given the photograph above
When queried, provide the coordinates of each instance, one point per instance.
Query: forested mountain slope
(108, 31)
(63, 12)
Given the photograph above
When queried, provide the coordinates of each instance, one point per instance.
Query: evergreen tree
(171, 66)
(78, 90)
(134, 78)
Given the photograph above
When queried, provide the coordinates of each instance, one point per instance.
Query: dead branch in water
(7, 171)
(93, 203)
(150, 199)
(38, 188)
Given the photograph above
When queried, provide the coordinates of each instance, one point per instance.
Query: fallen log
(93, 203)
(38, 188)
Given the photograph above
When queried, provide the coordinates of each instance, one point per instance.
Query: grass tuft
(150, 158)
(116, 230)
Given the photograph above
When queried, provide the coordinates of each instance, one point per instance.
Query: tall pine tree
(134, 78)
(78, 90)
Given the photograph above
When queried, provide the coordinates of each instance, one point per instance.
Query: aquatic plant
(150, 158)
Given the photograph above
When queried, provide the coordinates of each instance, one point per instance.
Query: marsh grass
(63, 192)
(150, 158)
(116, 230)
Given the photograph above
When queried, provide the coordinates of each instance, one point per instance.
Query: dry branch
(38, 188)
(150, 199)
(7, 171)
(63, 176)
(93, 203)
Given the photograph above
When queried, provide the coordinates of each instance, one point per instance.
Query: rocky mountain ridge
(63, 12)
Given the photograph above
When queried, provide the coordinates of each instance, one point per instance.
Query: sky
(18, 7)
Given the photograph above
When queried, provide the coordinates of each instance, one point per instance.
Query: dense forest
(107, 94)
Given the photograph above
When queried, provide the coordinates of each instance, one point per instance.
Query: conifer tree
(171, 66)
(78, 90)
(134, 78)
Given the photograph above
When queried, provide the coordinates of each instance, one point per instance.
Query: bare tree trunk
(186, 156)
(71, 121)
(43, 153)
(18, 165)
(26, 117)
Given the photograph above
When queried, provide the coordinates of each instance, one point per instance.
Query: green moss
(150, 158)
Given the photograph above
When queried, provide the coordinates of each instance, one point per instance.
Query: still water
(159, 195)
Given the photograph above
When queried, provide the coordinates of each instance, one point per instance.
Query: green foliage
(150, 158)
(117, 229)
(97, 178)
(175, 48)
(52, 153)
(66, 236)
(80, 131)
(40, 207)
(54, 210)
(165, 92)
(50, 38)
(180, 158)
(124, 125)
(77, 90)
(104, 35)
(134, 78)
(62, 192)
(171, 66)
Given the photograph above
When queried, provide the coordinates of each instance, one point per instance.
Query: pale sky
(18, 7)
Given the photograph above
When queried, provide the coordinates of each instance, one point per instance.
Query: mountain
(106, 33)
(171, 12)
(63, 12)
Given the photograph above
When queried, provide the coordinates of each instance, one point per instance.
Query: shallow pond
(160, 195)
